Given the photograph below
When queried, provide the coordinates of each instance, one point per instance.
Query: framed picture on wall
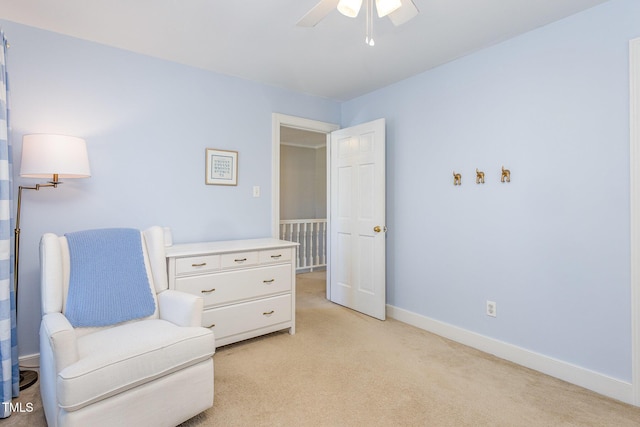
(221, 167)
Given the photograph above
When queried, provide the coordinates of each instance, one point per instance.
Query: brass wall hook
(457, 178)
(479, 177)
(506, 175)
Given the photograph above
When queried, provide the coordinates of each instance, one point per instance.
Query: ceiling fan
(398, 11)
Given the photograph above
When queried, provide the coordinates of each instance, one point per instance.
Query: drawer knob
(269, 281)
(268, 313)
(276, 256)
(202, 264)
(240, 260)
(211, 326)
(207, 291)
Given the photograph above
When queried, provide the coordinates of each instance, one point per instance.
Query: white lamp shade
(46, 155)
(385, 7)
(349, 8)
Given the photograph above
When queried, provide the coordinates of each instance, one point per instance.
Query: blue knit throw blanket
(108, 283)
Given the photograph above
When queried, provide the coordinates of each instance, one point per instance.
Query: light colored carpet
(346, 369)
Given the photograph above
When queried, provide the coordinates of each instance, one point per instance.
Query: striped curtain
(9, 372)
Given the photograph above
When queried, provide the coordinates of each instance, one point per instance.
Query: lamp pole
(27, 378)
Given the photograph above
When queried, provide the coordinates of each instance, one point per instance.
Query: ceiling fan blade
(404, 13)
(318, 13)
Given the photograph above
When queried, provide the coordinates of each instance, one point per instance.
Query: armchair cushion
(116, 359)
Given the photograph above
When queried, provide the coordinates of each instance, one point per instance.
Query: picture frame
(221, 167)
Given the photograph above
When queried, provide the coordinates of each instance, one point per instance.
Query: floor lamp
(46, 156)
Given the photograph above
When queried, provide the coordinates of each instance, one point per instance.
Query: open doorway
(300, 187)
(303, 195)
(354, 251)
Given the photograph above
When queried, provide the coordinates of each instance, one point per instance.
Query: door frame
(302, 124)
(634, 149)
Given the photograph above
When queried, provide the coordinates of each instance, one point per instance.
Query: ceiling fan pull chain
(369, 38)
(366, 23)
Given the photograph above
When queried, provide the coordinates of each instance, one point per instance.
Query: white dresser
(248, 286)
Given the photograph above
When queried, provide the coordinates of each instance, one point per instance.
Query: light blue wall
(147, 123)
(552, 247)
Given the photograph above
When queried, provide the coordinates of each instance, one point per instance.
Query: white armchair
(155, 371)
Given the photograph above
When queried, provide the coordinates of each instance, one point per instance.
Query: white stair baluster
(311, 236)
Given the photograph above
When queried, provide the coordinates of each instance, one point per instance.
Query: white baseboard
(573, 374)
(31, 361)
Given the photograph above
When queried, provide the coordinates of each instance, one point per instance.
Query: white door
(357, 218)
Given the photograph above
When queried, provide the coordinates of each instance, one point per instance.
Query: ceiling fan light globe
(385, 7)
(349, 8)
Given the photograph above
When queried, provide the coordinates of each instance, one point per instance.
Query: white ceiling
(258, 39)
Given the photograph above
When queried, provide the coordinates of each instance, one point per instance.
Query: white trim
(634, 171)
(328, 216)
(582, 377)
(311, 147)
(292, 122)
(31, 361)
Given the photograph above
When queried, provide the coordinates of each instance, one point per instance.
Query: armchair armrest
(180, 308)
(62, 339)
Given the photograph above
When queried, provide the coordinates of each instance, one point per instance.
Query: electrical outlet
(256, 191)
(492, 309)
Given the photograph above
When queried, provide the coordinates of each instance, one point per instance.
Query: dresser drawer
(230, 286)
(246, 317)
(197, 264)
(239, 259)
(274, 255)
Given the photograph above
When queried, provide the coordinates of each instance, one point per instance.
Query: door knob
(378, 229)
